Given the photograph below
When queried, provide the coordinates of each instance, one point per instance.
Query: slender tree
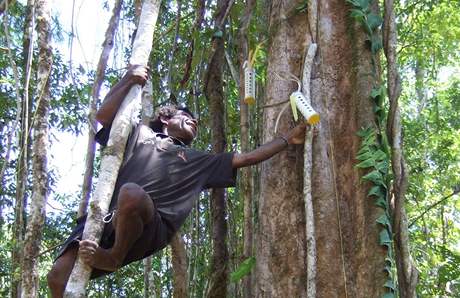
(113, 153)
(23, 160)
(40, 151)
(245, 173)
(407, 272)
(107, 46)
(179, 267)
(213, 89)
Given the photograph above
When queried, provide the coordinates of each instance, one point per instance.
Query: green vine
(374, 153)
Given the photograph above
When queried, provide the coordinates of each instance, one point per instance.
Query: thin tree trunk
(32, 242)
(4, 5)
(170, 89)
(146, 116)
(22, 167)
(200, 9)
(307, 178)
(245, 173)
(407, 272)
(107, 46)
(214, 94)
(113, 153)
(149, 285)
(179, 266)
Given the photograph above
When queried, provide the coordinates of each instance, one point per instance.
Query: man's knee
(133, 199)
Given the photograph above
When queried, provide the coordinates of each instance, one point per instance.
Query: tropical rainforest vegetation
(251, 241)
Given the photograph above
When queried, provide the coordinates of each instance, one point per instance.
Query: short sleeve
(221, 173)
(102, 136)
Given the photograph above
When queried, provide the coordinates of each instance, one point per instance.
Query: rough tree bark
(213, 90)
(107, 46)
(350, 259)
(245, 173)
(34, 229)
(407, 272)
(179, 266)
(113, 153)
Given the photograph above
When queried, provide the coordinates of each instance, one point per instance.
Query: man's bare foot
(97, 257)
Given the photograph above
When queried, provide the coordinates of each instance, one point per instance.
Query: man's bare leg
(135, 209)
(60, 272)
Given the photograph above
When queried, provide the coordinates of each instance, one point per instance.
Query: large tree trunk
(213, 90)
(40, 148)
(107, 46)
(113, 153)
(350, 260)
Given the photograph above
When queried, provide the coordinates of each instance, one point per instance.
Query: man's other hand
(296, 135)
(137, 74)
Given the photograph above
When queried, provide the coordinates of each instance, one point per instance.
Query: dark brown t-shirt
(172, 174)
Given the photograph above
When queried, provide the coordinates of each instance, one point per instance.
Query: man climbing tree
(158, 182)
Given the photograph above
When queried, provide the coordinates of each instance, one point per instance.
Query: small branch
(49, 249)
(428, 209)
(307, 188)
(13, 130)
(274, 104)
(232, 68)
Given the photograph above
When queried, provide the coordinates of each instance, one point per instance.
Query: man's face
(183, 127)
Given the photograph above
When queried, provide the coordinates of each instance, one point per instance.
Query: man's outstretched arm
(136, 74)
(267, 150)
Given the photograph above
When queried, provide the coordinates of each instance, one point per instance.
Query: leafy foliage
(429, 35)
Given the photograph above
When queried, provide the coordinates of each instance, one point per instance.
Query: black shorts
(156, 236)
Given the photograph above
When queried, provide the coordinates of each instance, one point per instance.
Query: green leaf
(379, 155)
(376, 92)
(389, 261)
(376, 43)
(389, 295)
(364, 132)
(364, 156)
(353, 2)
(375, 177)
(302, 7)
(218, 34)
(369, 140)
(389, 284)
(366, 164)
(381, 203)
(357, 13)
(374, 21)
(376, 191)
(243, 270)
(385, 238)
(382, 166)
(384, 220)
(377, 109)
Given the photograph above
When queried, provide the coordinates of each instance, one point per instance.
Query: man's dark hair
(166, 112)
